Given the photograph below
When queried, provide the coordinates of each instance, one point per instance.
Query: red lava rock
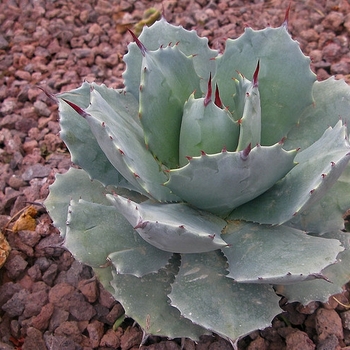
(333, 21)
(297, 340)
(16, 182)
(331, 52)
(77, 272)
(328, 322)
(15, 265)
(56, 342)
(341, 67)
(7, 290)
(34, 273)
(4, 346)
(50, 274)
(30, 145)
(33, 340)
(58, 317)
(111, 339)
(170, 345)
(95, 330)
(116, 312)
(131, 337)
(36, 170)
(308, 309)
(41, 321)
(49, 246)
(345, 317)
(95, 29)
(15, 305)
(331, 342)
(89, 289)
(59, 295)
(71, 330)
(105, 298)
(31, 238)
(51, 142)
(34, 302)
(23, 75)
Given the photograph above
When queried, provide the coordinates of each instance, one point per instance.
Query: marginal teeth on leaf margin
(218, 101)
(76, 108)
(207, 99)
(141, 224)
(283, 139)
(245, 153)
(255, 76)
(286, 17)
(172, 227)
(138, 43)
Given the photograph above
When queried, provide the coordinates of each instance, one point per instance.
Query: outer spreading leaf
(278, 254)
(285, 78)
(82, 145)
(160, 34)
(320, 165)
(145, 300)
(74, 184)
(332, 103)
(97, 234)
(327, 214)
(320, 290)
(205, 295)
(172, 227)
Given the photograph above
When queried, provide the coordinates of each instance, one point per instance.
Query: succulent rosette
(209, 182)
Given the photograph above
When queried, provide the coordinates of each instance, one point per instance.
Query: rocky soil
(47, 299)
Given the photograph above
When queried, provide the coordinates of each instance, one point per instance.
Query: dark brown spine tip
(138, 43)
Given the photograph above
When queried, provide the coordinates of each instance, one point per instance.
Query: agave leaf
(219, 183)
(168, 78)
(207, 128)
(104, 275)
(82, 145)
(242, 85)
(72, 185)
(97, 234)
(319, 290)
(320, 165)
(278, 77)
(122, 141)
(327, 214)
(145, 300)
(332, 102)
(250, 119)
(172, 227)
(279, 254)
(204, 294)
(160, 34)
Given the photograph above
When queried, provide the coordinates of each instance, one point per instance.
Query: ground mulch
(47, 299)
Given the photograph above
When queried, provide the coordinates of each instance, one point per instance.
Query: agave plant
(209, 182)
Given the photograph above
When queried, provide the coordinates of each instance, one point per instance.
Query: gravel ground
(47, 299)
